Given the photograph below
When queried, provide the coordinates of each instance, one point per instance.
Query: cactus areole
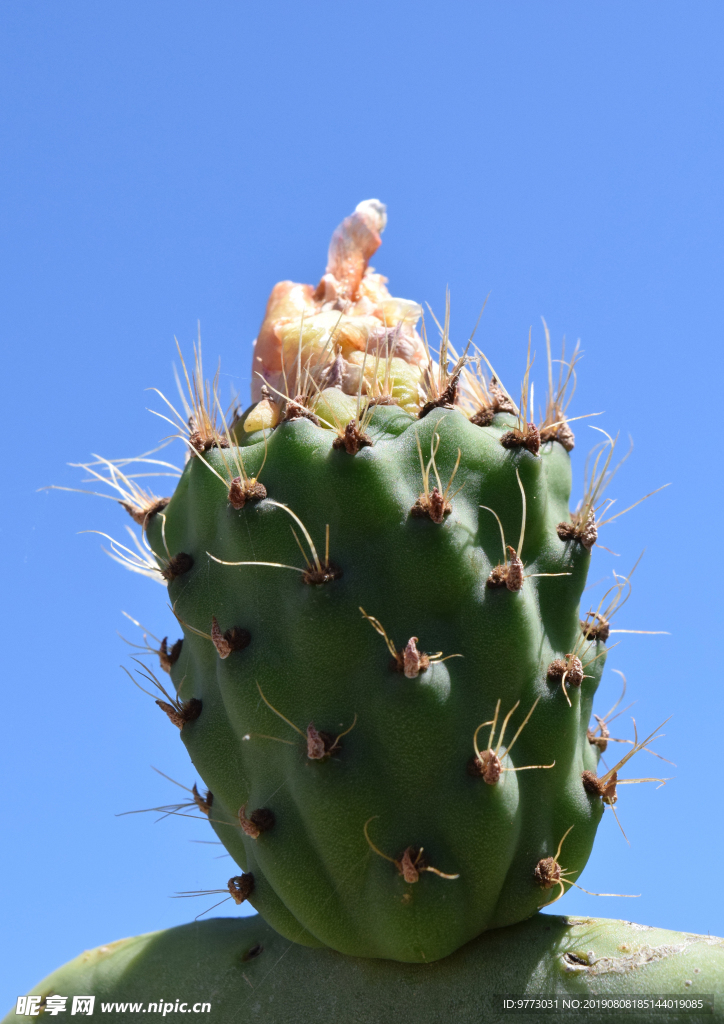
(384, 681)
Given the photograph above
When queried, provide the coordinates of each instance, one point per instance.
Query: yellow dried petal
(264, 415)
(396, 378)
(335, 408)
(394, 311)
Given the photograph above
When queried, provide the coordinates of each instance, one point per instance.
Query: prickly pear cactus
(384, 679)
(241, 971)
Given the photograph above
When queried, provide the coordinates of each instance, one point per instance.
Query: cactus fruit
(240, 971)
(395, 729)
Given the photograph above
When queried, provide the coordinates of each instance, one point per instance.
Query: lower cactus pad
(248, 973)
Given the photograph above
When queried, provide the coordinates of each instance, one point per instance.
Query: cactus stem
(488, 763)
(411, 863)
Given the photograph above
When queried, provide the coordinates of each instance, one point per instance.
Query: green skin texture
(317, 660)
(221, 962)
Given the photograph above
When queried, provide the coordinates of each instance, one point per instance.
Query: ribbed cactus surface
(384, 681)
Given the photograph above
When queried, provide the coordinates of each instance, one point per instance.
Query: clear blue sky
(168, 162)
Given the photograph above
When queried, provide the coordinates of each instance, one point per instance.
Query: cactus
(394, 726)
(243, 971)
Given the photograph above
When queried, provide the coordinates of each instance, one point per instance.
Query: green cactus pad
(384, 833)
(248, 973)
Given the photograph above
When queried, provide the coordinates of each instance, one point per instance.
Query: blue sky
(167, 163)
